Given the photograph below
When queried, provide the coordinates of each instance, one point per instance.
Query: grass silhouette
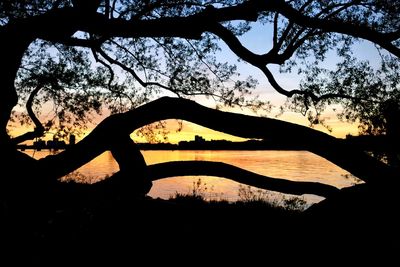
(201, 193)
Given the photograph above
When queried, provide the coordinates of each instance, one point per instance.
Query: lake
(291, 165)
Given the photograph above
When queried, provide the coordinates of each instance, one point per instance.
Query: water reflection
(292, 165)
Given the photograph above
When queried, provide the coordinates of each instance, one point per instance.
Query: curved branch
(117, 126)
(275, 84)
(315, 98)
(111, 79)
(110, 70)
(39, 129)
(130, 71)
(62, 23)
(256, 60)
(24, 137)
(192, 26)
(220, 169)
(260, 61)
(237, 47)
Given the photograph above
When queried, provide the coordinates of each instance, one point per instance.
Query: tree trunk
(113, 134)
(12, 47)
(33, 177)
(335, 150)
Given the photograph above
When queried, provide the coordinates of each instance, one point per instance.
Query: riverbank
(130, 231)
(125, 232)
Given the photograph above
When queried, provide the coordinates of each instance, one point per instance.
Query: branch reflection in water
(291, 165)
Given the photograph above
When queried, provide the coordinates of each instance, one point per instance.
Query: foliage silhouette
(86, 57)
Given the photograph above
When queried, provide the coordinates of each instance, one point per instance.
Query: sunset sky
(259, 40)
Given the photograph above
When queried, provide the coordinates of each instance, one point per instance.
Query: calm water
(292, 165)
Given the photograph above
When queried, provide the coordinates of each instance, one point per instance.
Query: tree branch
(38, 125)
(237, 47)
(24, 137)
(193, 26)
(260, 61)
(256, 60)
(130, 71)
(275, 84)
(112, 75)
(220, 169)
(273, 56)
(190, 27)
(364, 32)
(39, 129)
(275, 36)
(116, 126)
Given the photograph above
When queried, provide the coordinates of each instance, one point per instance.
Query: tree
(143, 49)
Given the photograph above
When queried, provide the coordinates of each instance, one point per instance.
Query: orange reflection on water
(292, 165)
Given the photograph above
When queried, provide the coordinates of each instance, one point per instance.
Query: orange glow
(291, 165)
(339, 129)
(189, 130)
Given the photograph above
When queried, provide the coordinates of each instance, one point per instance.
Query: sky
(259, 41)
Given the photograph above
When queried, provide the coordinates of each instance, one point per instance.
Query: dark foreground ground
(133, 232)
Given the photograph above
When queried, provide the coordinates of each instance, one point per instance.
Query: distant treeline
(370, 143)
(221, 145)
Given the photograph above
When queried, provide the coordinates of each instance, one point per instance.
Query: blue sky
(259, 40)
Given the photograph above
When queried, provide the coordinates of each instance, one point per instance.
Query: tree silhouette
(83, 57)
